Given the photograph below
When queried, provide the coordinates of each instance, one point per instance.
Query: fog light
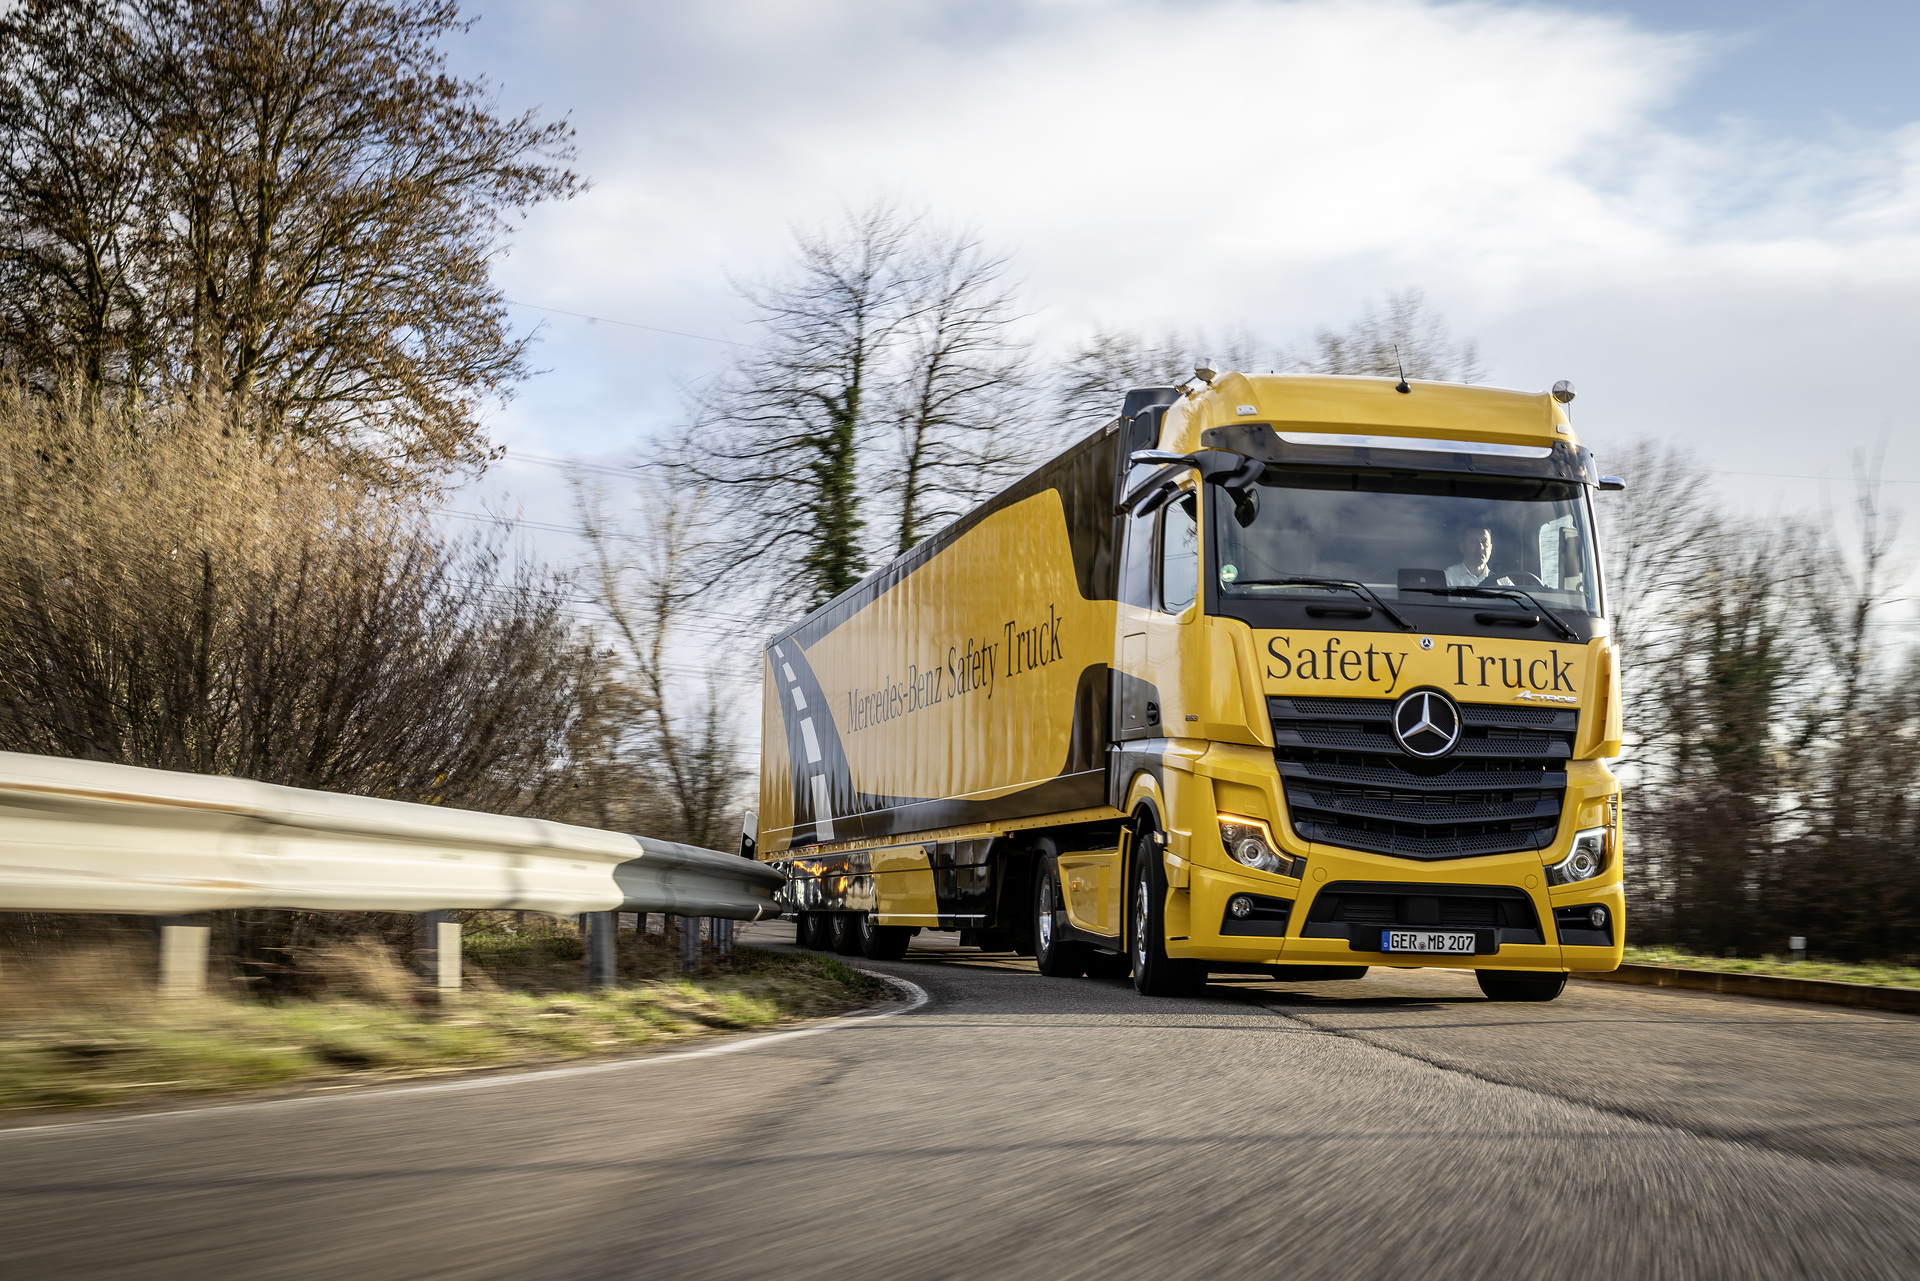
(1584, 861)
(1248, 841)
(1599, 918)
(1241, 906)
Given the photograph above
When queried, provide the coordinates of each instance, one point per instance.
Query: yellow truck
(1282, 675)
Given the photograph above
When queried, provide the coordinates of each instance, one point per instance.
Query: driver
(1476, 549)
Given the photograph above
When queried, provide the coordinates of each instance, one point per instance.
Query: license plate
(1422, 941)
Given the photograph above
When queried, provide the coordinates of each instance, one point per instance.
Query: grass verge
(82, 1036)
(1887, 975)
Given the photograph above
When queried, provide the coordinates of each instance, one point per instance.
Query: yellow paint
(903, 886)
(1367, 406)
(950, 684)
(1092, 881)
(1473, 669)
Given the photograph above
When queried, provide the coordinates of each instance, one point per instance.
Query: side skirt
(1114, 943)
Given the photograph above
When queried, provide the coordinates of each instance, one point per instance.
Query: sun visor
(1555, 461)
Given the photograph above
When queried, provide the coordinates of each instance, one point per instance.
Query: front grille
(1348, 783)
(1354, 910)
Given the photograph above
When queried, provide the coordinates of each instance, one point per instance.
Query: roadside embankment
(86, 1029)
(1785, 987)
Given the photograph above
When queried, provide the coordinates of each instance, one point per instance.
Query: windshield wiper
(1508, 593)
(1360, 589)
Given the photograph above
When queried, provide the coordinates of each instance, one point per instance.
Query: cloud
(1224, 164)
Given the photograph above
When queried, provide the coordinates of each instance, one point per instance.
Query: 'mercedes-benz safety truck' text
(1283, 674)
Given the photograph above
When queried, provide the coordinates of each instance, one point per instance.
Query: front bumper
(1507, 942)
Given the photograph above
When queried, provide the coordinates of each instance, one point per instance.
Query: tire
(882, 942)
(815, 931)
(1154, 972)
(846, 933)
(1518, 987)
(799, 929)
(1057, 958)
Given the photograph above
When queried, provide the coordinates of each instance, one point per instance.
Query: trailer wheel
(1520, 987)
(882, 942)
(1057, 958)
(815, 931)
(1154, 972)
(846, 933)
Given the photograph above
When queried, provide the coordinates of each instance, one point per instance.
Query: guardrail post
(601, 927)
(446, 955)
(427, 945)
(639, 924)
(689, 943)
(721, 930)
(183, 957)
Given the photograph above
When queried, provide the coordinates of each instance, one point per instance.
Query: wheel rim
(1140, 925)
(1043, 921)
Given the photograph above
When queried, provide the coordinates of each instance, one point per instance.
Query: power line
(630, 324)
(569, 464)
(1780, 475)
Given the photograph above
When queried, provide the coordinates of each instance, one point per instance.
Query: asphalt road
(1397, 1127)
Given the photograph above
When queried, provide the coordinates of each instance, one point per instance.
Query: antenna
(1400, 386)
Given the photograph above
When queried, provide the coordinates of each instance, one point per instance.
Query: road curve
(1025, 1127)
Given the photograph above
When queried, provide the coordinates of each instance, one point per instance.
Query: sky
(1704, 214)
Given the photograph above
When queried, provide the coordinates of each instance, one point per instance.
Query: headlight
(1249, 841)
(1584, 861)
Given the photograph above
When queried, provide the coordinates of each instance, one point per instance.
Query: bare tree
(1094, 378)
(1660, 535)
(956, 407)
(290, 209)
(782, 433)
(1845, 595)
(1403, 336)
(1856, 883)
(1090, 382)
(665, 752)
(1773, 736)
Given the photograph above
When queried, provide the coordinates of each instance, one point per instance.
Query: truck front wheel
(1154, 972)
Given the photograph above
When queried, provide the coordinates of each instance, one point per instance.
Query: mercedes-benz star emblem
(1426, 723)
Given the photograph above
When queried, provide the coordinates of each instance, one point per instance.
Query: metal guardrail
(83, 836)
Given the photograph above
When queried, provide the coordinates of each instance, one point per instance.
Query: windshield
(1400, 532)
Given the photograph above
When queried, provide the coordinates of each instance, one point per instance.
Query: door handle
(1153, 713)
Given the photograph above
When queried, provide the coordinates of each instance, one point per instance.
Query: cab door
(1170, 633)
(1159, 584)
(1132, 693)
